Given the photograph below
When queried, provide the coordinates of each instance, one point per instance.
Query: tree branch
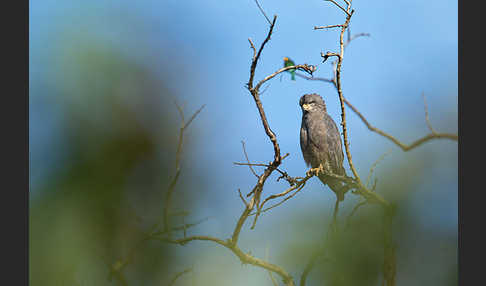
(403, 146)
(179, 275)
(173, 182)
(340, 7)
(244, 257)
(309, 267)
(263, 12)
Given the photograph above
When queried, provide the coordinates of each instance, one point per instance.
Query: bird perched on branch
(320, 142)
(287, 63)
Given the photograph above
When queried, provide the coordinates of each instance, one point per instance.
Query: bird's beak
(306, 107)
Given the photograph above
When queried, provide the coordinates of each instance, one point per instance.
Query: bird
(287, 63)
(320, 142)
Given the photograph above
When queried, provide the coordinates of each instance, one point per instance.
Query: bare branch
(183, 241)
(389, 261)
(334, 215)
(292, 181)
(327, 27)
(179, 213)
(340, 93)
(242, 198)
(263, 12)
(340, 7)
(253, 48)
(314, 78)
(248, 160)
(350, 38)
(179, 275)
(168, 199)
(274, 282)
(376, 164)
(310, 265)
(299, 184)
(356, 207)
(244, 257)
(251, 164)
(194, 116)
(427, 116)
(181, 227)
(173, 182)
(255, 93)
(305, 67)
(403, 146)
(329, 54)
(181, 113)
(257, 55)
(281, 202)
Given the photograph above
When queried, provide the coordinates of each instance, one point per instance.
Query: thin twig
(274, 282)
(376, 164)
(184, 227)
(256, 55)
(327, 27)
(309, 266)
(305, 67)
(350, 38)
(253, 48)
(244, 257)
(334, 215)
(356, 207)
(179, 275)
(341, 97)
(403, 146)
(427, 116)
(329, 54)
(297, 186)
(168, 199)
(248, 160)
(340, 7)
(263, 12)
(254, 91)
(173, 182)
(389, 261)
(281, 202)
(193, 116)
(251, 164)
(242, 198)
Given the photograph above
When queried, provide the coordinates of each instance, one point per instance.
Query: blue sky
(412, 50)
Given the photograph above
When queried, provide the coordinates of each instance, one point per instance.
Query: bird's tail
(336, 186)
(293, 75)
(338, 189)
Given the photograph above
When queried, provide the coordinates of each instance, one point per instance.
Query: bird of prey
(287, 63)
(320, 142)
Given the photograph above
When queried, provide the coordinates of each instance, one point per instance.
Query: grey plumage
(320, 141)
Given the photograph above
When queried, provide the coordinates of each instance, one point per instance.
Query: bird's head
(312, 103)
(286, 59)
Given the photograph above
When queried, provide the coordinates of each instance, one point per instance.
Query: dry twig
(248, 160)
(263, 12)
(172, 282)
(170, 190)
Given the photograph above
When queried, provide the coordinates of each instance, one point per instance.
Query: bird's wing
(335, 149)
(289, 63)
(316, 129)
(304, 143)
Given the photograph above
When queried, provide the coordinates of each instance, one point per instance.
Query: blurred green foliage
(92, 214)
(112, 182)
